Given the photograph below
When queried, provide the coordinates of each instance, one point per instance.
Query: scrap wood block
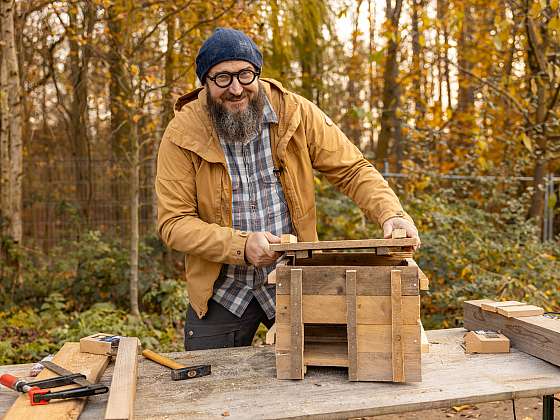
(123, 386)
(70, 358)
(538, 336)
(520, 310)
(486, 342)
(398, 233)
(493, 306)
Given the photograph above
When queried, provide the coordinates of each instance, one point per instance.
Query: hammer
(179, 371)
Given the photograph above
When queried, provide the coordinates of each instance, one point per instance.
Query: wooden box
(359, 310)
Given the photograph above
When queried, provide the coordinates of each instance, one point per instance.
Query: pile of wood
(526, 326)
(359, 310)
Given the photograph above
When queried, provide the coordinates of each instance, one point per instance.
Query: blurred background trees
(456, 99)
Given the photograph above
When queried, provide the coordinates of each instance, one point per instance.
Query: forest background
(456, 101)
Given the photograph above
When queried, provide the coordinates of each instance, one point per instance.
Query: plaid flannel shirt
(258, 205)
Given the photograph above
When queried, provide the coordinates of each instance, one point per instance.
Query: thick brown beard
(237, 126)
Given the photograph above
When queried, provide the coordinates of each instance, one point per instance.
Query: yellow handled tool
(179, 371)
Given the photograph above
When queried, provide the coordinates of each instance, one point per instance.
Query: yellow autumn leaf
(134, 70)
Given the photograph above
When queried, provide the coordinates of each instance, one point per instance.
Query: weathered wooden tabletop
(243, 385)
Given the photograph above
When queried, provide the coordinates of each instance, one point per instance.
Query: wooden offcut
(398, 233)
(493, 306)
(521, 310)
(538, 336)
(349, 244)
(486, 342)
(120, 405)
(70, 358)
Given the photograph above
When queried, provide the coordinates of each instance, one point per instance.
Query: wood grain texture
(351, 259)
(351, 325)
(242, 377)
(371, 281)
(296, 324)
(70, 358)
(520, 311)
(331, 309)
(536, 335)
(397, 332)
(120, 405)
(398, 233)
(493, 306)
(348, 244)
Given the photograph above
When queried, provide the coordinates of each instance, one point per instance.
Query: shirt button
(190, 333)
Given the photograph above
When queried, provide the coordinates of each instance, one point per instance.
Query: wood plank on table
(370, 281)
(70, 358)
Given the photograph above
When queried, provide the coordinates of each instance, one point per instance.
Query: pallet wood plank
(346, 244)
(351, 325)
(378, 366)
(536, 335)
(70, 358)
(296, 323)
(326, 354)
(397, 327)
(371, 281)
(333, 258)
(493, 306)
(120, 405)
(331, 309)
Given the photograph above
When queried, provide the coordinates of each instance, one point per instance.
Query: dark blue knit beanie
(223, 45)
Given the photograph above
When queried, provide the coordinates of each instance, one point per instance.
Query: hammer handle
(162, 360)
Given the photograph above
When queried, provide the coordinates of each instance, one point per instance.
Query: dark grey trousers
(220, 328)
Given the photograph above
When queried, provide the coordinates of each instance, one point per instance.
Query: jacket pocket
(210, 337)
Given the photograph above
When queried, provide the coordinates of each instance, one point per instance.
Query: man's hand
(257, 251)
(401, 223)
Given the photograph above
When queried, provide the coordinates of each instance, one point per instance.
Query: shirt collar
(269, 116)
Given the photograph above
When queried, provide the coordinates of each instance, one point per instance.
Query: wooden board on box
(348, 244)
(70, 358)
(536, 335)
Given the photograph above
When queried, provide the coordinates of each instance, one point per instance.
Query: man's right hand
(257, 251)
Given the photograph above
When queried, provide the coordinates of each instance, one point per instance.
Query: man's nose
(235, 88)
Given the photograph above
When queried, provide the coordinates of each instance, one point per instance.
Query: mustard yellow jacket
(194, 188)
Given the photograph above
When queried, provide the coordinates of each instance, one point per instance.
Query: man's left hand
(401, 223)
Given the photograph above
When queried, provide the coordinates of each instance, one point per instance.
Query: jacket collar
(192, 118)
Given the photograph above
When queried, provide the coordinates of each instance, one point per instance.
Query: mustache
(231, 97)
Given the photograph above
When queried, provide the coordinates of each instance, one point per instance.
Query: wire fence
(56, 211)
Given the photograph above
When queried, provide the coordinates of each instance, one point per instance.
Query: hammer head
(190, 372)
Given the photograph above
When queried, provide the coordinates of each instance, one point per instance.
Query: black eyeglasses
(225, 78)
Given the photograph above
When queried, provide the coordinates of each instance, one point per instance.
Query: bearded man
(235, 171)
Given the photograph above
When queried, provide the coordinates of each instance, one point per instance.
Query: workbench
(243, 385)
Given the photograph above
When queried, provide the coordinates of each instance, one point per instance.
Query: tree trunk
(79, 59)
(390, 122)
(134, 223)
(12, 123)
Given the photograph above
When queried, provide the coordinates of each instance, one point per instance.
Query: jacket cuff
(237, 253)
(392, 214)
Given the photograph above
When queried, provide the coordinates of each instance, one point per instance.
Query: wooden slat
(70, 358)
(535, 335)
(331, 309)
(397, 328)
(398, 233)
(351, 325)
(348, 244)
(424, 343)
(326, 354)
(287, 238)
(371, 281)
(296, 324)
(120, 405)
(520, 311)
(351, 259)
(272, 277)
(378, 367)
(370, 338)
